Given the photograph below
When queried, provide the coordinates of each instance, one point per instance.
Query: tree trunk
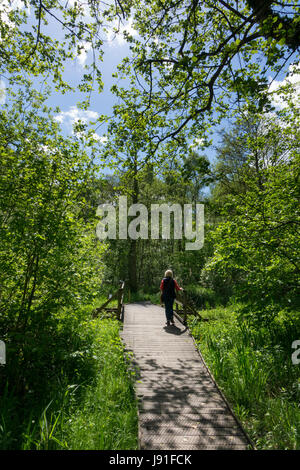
(132, 258)
(132, 271)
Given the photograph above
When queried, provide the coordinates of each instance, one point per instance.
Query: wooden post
(119, 296)
(120, 299)
(119, 303)
(184, 306)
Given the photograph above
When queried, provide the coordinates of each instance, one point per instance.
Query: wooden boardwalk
(180, 406)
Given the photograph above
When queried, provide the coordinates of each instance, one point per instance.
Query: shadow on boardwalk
(180, 406)
(174, 330)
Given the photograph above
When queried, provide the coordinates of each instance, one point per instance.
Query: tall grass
(254, 369)
(205, 298)
(107, 416)
(141, 296)
(78, 394)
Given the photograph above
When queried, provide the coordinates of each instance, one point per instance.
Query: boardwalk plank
(180, 407)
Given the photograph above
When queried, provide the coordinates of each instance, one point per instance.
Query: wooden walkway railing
(119, 310)
(184, 307)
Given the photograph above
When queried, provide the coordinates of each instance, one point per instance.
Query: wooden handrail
(187, 307)
(119, 310)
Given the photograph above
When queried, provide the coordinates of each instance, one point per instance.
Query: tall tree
(45, 246)
(256, 242)
(129, 151)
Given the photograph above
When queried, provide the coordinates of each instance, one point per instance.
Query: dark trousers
(169, 309)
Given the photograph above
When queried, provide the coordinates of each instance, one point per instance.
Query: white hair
(168, 273)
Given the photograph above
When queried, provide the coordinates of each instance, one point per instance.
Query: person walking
(168, 286)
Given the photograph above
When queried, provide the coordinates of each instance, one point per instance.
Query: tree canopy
(197, 62)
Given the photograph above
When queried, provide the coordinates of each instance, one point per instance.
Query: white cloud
(100, 138)
(7, 6)
(71, 117)
(82, 56)
(47, 150)
(168, 65)
(292, 78)
(115, 33)
(197, 143)
(2, 92)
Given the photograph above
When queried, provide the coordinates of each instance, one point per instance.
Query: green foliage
(106, 418)
(204, 297)
(195, 63)
(45, 246)
(29, 47)
(256, 243)
(50, 260)
(80, 395)
(253, 367)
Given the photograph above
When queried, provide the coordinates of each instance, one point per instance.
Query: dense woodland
(196, 72)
